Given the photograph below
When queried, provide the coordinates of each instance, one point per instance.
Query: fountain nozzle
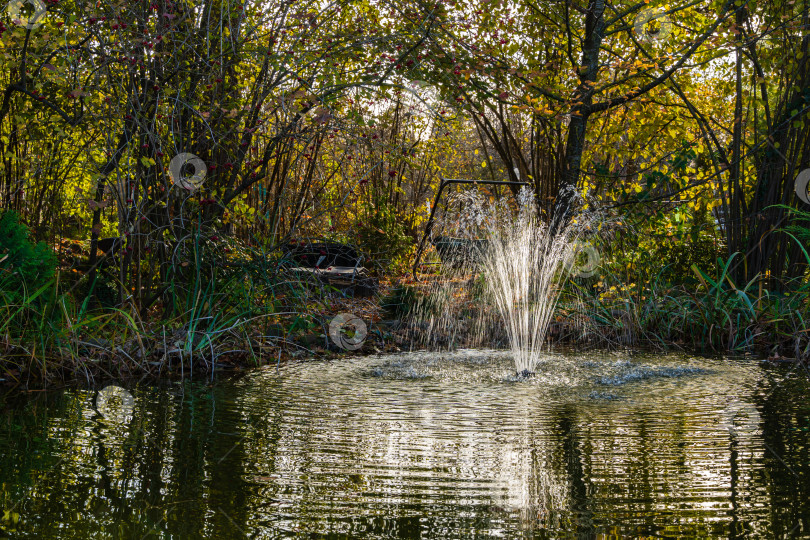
(525, 374)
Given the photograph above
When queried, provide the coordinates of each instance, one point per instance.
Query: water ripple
(424, 445)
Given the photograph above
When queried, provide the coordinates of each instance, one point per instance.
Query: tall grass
(219, 316)
(713, 315)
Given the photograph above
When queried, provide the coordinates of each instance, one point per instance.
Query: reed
(716, 315)
(224, 322)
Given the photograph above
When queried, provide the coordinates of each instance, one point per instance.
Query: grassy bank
(49, 338)
(56, 340)
(712, 314)
(237, 307)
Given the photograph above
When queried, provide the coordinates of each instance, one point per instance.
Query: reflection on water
(423, 445)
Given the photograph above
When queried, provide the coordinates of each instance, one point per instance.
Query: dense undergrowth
(231, 306)
(235, 306)
(198, 157)
(711, 315)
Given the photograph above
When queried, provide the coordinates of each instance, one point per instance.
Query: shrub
(24, 266)
(400, 302)
(382, 236)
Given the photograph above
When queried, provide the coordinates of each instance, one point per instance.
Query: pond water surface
(428, 445)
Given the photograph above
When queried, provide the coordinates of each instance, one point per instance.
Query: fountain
(523, 264)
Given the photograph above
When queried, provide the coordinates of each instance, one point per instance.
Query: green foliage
(381, 235)
(28, 292)
(212, 278)
(104, 290)
(24, 265)
(400, 302)
(800, 228)
(338, 144)
(713, 315)
(680, 256)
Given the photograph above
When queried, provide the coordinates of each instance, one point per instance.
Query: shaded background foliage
(338, 121)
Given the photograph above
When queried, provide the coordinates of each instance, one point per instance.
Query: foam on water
(604, 396)
(640, 373)
(553, 372)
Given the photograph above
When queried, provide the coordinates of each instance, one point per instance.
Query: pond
(421, 445)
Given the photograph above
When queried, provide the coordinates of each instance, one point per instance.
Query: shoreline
(98, 371)
(154, 352)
